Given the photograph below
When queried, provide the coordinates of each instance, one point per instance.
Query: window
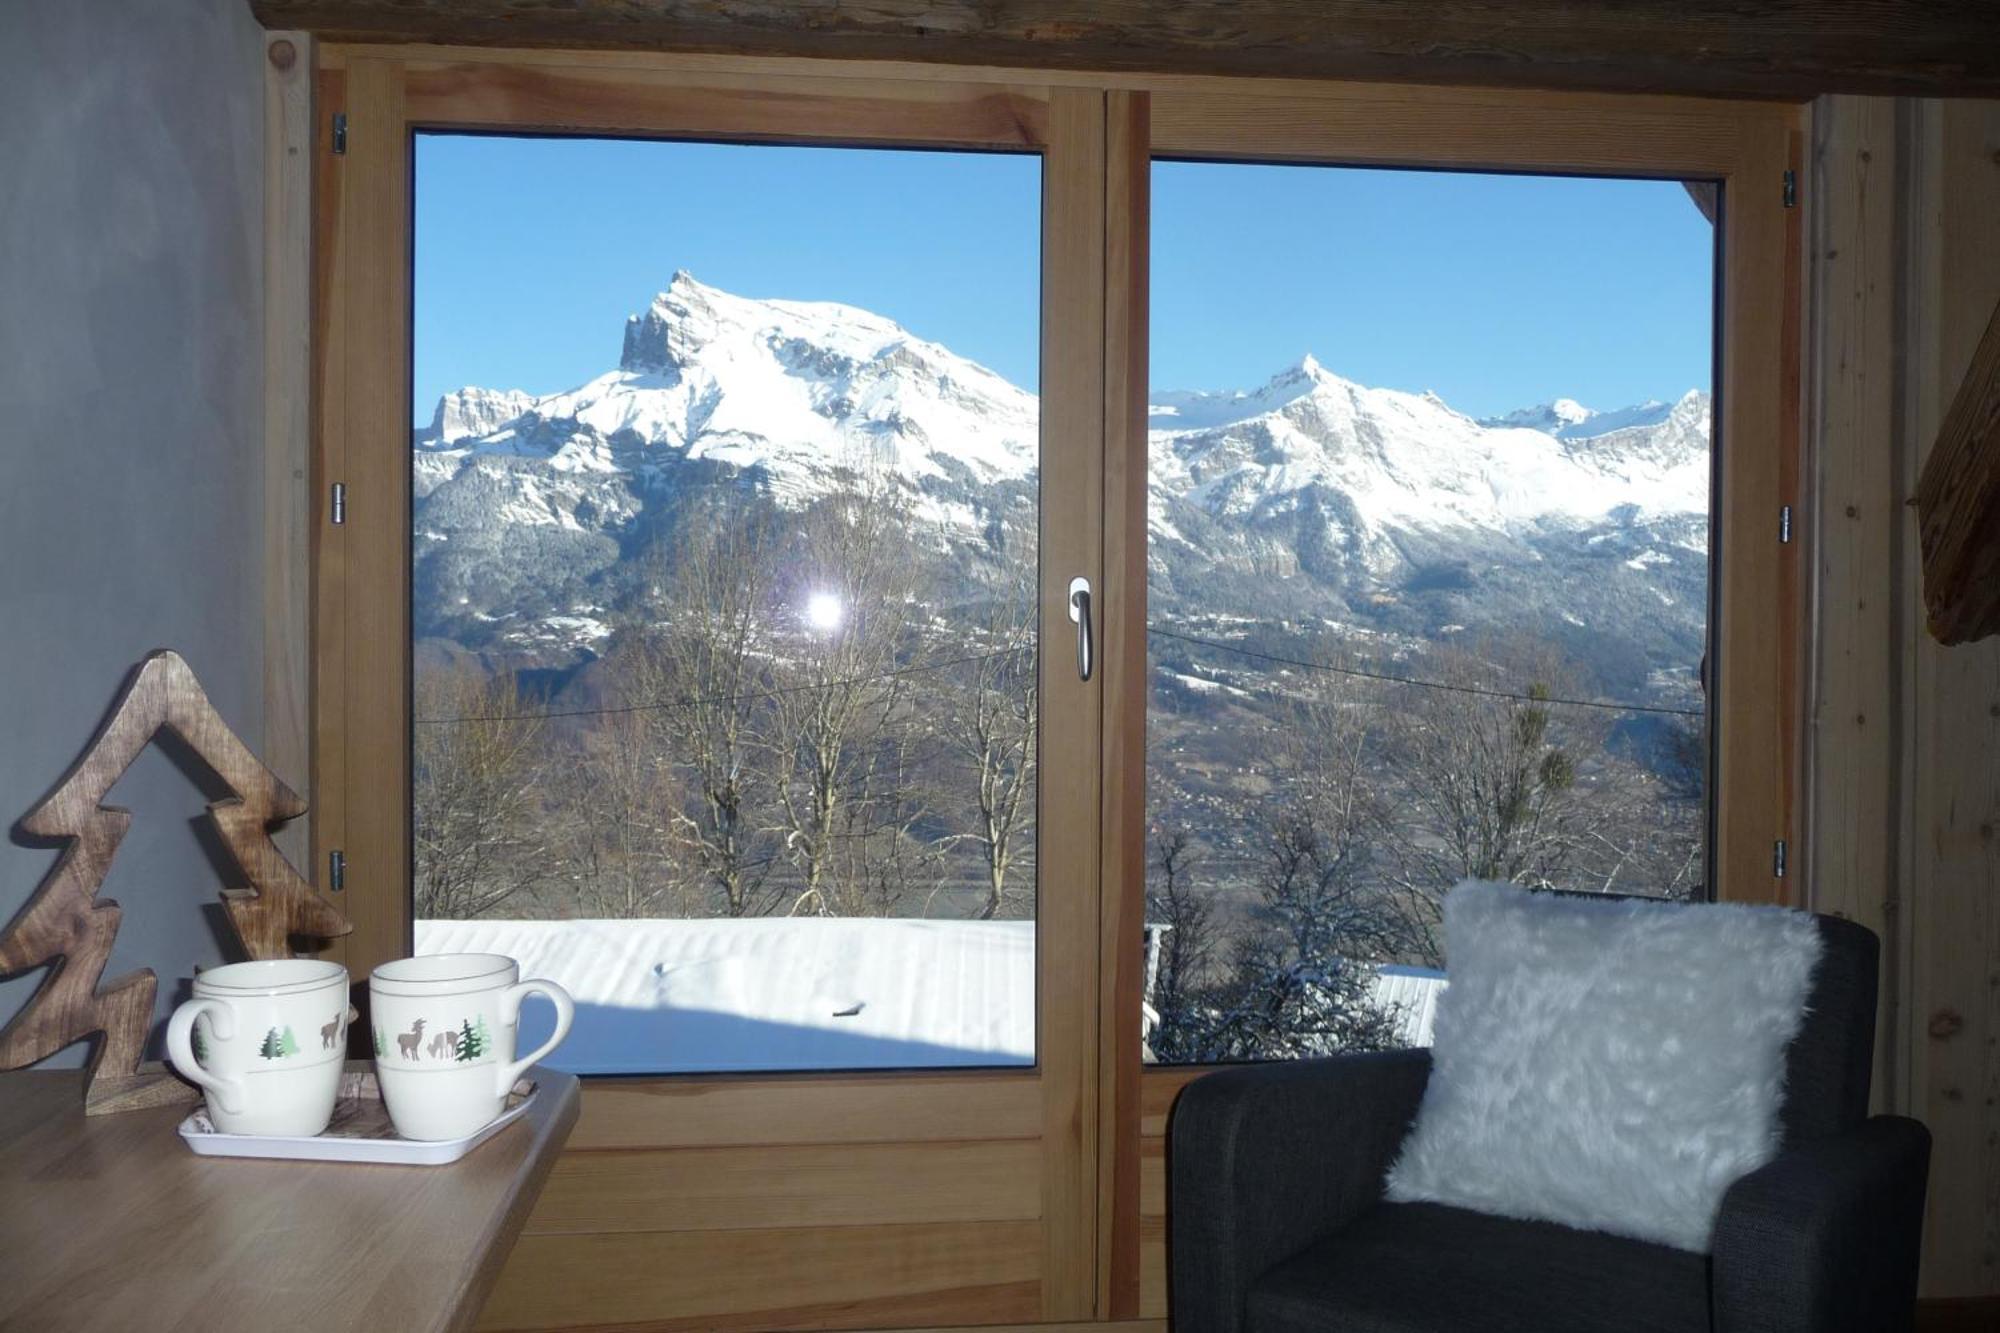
(1016, 1193)
(723, 610)
(1416, 614)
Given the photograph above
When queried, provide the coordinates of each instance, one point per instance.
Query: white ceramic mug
(445, 1026)
(265, 1041)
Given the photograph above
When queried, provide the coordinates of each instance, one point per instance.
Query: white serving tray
(359, 1131)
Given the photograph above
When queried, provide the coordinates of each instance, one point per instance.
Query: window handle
(1079, 614)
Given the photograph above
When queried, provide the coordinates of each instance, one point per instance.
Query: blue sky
(1494, 291)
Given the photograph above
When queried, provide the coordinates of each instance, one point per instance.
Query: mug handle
(510, 1012)
(180, 1051)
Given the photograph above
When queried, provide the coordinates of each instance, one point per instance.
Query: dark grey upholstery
(1828, 1064)
(1417, 1267)
(1277, 1222)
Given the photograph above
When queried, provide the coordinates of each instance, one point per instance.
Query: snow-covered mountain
(1308, 497)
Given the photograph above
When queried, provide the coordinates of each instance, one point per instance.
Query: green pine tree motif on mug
(381, 1047)
(279, 1043)
(200, 1047)
(473, 1039)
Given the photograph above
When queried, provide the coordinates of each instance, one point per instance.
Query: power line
(1606, 704)
(746, 697)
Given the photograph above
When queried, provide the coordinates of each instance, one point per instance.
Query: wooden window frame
(1102, 1255)
(1757, 615)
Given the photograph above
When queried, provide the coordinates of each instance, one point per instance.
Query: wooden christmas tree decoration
(68, 927)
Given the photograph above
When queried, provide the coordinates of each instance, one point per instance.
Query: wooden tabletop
(110, 1223)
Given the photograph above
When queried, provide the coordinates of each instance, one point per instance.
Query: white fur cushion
(1611, 1065)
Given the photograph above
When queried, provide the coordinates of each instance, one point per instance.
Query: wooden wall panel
(1952, 830)
(1906, 757)
(1854, 779)
(790, 1278)
(916, 1108)
(1157, 1090)
(730, 1189)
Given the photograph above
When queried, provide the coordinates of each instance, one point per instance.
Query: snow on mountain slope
(1310, 494)
(798, 390)
(1404, 460)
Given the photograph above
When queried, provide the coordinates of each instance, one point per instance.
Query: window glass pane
(725, 467)
(1429, 577)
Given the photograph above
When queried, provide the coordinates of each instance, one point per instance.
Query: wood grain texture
(1951, 839)
(864, 1108)
(1793, 48)
(1756, 429)
(1905, 784)
(1158, 1090)
(328, 614)
(155, 1237)
(1069, 777)
(1456, 127)
(288, 162)
(65, 925)
(370, 638)
(1958, 503)
(785, 1278)
(1854, 773)
(777, 1186)
(1122, 854)
(593, 97)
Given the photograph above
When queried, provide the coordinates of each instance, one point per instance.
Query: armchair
(1278, 1224)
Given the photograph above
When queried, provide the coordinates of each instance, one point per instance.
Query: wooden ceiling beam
(1958, 505)
(1775, 49)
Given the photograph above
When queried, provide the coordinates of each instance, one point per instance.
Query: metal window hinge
(1784, 523)
(339, 503)
(1791, 189)
(336, 870)
(340, 133)
(1778, 859)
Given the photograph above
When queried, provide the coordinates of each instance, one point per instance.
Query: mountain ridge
(1385, 511)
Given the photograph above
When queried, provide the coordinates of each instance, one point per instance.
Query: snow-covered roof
(770, 993)
(792, 993)
(1413, 993)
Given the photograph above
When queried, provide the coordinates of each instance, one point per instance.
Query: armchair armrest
(1825, 1237)
(1265, 1159)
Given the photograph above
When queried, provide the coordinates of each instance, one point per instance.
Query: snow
(770, 993)
(793, 993)
(796, 396)
(1412, 994)
(1409, 461)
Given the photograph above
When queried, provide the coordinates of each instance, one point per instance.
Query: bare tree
(1187, 946)
(989, 724)
(702, 654)
(478, 761)
(619, 804)
(1489, 767)
(838, 763)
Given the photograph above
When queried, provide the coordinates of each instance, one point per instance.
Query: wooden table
(110, 1223)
